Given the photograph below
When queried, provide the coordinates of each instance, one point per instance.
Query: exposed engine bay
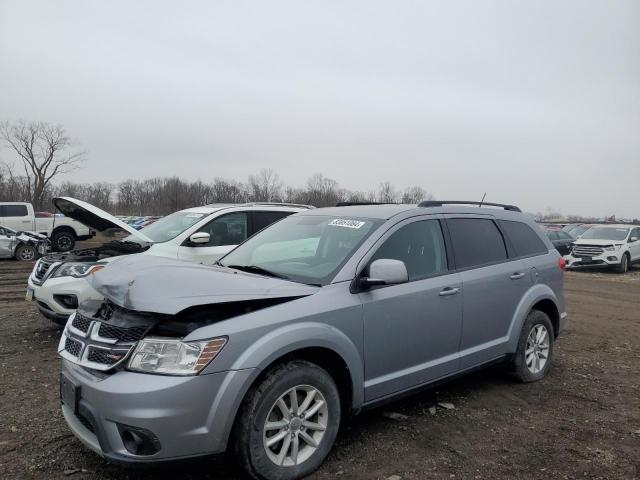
(113, 248)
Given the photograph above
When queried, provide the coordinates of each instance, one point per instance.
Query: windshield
(579, 230)
(606, 233)
(306, 249)
(169, 227)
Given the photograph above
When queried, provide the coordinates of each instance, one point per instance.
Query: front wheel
(624, 264)
(26, 253)
(289, 423)
(533, 358)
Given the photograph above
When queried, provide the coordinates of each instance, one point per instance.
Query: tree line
(160, 196)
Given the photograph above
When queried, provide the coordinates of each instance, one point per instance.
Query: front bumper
(606, 260)
(51, 307)
(189, 416)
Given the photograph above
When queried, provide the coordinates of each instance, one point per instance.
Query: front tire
(533, 358)
(26, 253)
(288, 424)
(623, 267)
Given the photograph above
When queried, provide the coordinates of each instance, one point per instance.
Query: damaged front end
(102, 341)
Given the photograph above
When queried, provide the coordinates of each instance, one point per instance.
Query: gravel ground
(582, 421)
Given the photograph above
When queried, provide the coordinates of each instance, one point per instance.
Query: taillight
(562, 263)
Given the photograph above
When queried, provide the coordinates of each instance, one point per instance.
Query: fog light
(138, 441)
(612, 259)
(67, 301)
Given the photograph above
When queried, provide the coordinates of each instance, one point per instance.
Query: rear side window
(264, 219)
(476, 242)
(524, 239)
(13, 211)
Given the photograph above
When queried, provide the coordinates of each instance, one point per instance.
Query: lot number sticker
(340, 222)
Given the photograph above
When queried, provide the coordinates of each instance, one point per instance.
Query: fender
(289, 338)
(536, 293)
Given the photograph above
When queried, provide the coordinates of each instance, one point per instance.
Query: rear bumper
(187, 416)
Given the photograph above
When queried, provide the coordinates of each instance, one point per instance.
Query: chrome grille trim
(95, 348)
(587, 251)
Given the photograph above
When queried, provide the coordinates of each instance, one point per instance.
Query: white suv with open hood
(615, 246)
(58, 283)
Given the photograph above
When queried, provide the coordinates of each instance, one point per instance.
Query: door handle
(517, 276)
(449, 291)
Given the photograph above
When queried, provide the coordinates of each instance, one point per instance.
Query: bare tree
(265, 186)
(415, 194)
(44, 152)
(387, 193)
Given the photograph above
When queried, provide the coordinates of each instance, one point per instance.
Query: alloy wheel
(295, 426)
(537, 352)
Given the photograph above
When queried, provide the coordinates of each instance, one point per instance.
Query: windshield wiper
(258, 270)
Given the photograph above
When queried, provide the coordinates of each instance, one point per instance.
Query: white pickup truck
(63, 231)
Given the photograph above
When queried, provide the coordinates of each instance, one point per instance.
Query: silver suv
(321, 315)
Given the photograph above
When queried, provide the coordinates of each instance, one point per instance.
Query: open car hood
(94, 217)
(161, 285)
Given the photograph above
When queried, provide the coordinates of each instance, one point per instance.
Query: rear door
(260, 219)
(492, 283)
(16, 217)
(412, 330)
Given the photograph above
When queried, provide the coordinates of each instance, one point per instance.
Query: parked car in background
(321, 315)
(606, 246)
(63, 232)
(202, 235)
(23, 246)
(561, 240)
(578, 230)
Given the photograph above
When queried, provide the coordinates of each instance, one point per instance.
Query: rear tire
(533, 358)
(26, 253)
(263, 431)
(63, 240)
(623, 267)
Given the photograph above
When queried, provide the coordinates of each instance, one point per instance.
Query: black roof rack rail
(352, 204)
(440, 203)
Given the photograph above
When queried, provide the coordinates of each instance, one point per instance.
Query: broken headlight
(174, 357)
(77, 270)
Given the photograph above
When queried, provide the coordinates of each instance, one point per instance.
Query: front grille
(72, 346)
(105, 357)
(587, 251)
(81, 322)
(122, 334)
(41, 269)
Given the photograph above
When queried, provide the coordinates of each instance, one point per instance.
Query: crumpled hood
(161, 285)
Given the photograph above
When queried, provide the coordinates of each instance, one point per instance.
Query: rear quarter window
(523, 238)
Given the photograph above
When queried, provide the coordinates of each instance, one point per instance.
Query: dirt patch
(583, 421)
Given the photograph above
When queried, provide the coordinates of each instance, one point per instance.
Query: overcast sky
(535, 102)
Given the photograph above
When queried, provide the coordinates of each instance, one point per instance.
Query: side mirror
(385, 271)
(199, 238)
(633, 239)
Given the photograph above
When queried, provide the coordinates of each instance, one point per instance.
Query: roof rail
(352, 204)
(280, 204)
(440, 203)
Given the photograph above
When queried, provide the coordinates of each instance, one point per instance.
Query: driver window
(230, 229)
(420, 245)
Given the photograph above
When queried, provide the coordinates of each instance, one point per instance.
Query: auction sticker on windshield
(341, 222)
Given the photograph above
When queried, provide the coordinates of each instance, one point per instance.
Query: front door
(412, 330)
(225, 232)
